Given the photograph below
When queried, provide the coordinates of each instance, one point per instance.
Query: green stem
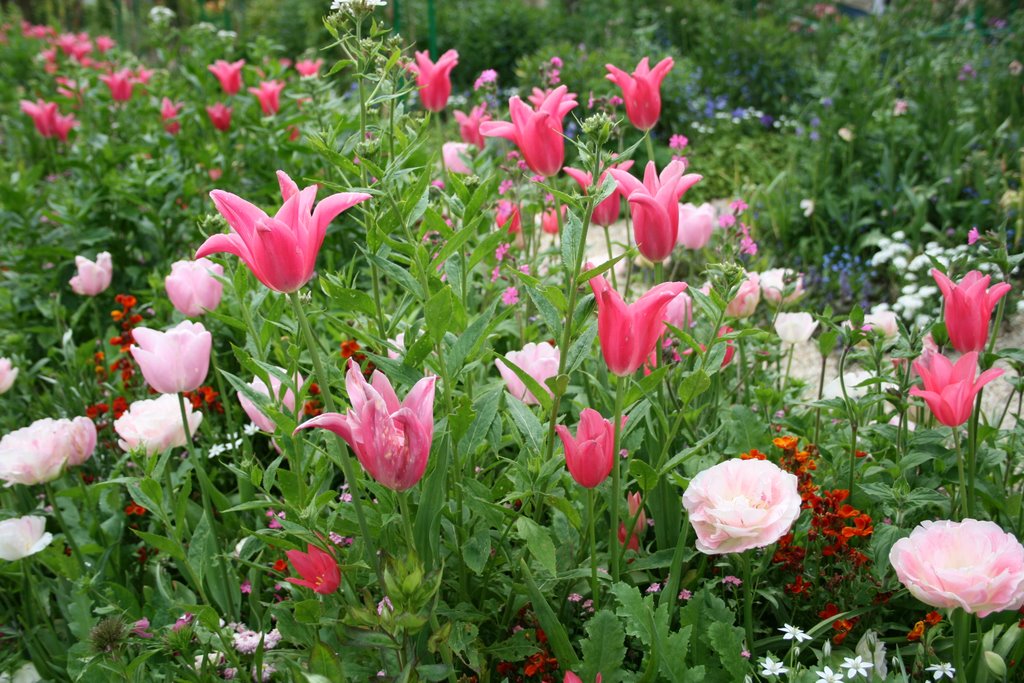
(650, 147)
(748, 604)
(962, 505)
(616, 480)
(593, 548)
(972, 456)
(403, 506)
(608, 243)
(64, 527)
(961, 642)
(789, 367)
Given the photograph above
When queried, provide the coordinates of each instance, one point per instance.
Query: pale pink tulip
(287, 400)
(154, 425)
(193, 287)
(696, 223)
(21, 537)
(39, 453)
(173, 361)
(539, 361)
(92, 277)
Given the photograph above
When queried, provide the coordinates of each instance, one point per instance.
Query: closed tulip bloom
(220, 116)
(434, 80)
(539, 361)
(589, 455)
(8, 373)
(308, 68)
(93, 277)
(745, 302)
(655, 206)
(120, 84)
(176, 360)
(884, 323)
(229, 74)
(679, 312)
(42, 114)
(192, 287)
(781, 285)
(391, 439)
(154, 425)
(969, 306)
(628, 333)
(508, 216)
(260, 387)
(269, 95)
(636, 509)
(549, 220)
(641, 90)
(949, 389)
(280, 251)
(169, 113)
(23, 536)
(317, 568)
(538, 134)
(39, 453)
(104, 43)
(455, 154)
(795, 328)
(696, 223)
(607, 212)
(469, 124)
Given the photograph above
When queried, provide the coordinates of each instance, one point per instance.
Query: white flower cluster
(354, 5)
(161, 16)
(234, 441)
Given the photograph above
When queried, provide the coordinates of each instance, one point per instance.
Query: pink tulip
(92, 278)
(42, 114)
(62, 125)
(37, 454)
(308, 68)
(220, 116)
(969, 306)
(391, 440)
(269, 95)
(628, 333)
(537, 96)
(745, 302)
(142, 75)
(949, 389)
(229, 74)
(104, 43)
(539, 361)
(176, 360)
(318, 569)
(589, 456)
(154, 425)
(538, 134)
(8, 373)
(679, 312)
(469, 125)
(507, 216)
(607, 212)
(655, 206)
(120, 84)
(641, 90)
(274, 393)
(696, 223)
(280, 251)
(454, 154)
(781, 285)
(21, 537)
(192, 286)
(434, 80)
(549, 220)
(169, 113)
(639, 527)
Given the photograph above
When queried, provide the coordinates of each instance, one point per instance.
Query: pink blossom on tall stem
(193, 287)
(391, 440)
(589, 455)
(62, 125)
(308, 68)
(655, 205)
(281, 250)
(434, 79)
(220, 116)
(269, 95)
(745, 302)
(120, 84)
(641, 90)
(455, 154)
(469, 124)
(92, 278)
(229, 74)
(628, 333)
(949, 389)
(42, 114)
(176, 360)
(607, 212)
(969, 306)
(538, 134)
(696, 223)
(169, 113)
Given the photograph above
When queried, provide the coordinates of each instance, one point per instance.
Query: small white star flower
(793, 633)
(250, 429)
(939, 670)
(770, 667)
(856, 667)
(827, 675)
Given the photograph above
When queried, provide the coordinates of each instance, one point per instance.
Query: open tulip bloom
(949, 389)
(538, 134)
(280, 250)
(318, 569)
(655, 205)
(641, 90)
(969, 306)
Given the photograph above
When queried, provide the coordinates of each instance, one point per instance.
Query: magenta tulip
(229, 74)
(169, 111)
(433, 79)
(469, 124)
(655, 206)
(120, 84)
(175, 360)
(949, 389)
(192, 286)
(538, 134)
(589, 456)
(641, 90)
(607, 212)
(391, 439)
(42, 114)
(308, 68)
(269, 95)
(969, 306)
(317, 568)
(280, 251)
(220, 116)
(628, 333)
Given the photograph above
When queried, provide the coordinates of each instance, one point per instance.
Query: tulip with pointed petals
(120, 84)
(308, 68)
(280, 250)
(628, 333)
(220, 116)
(641, 90)
(169, 111)
(655, 206)
(589, 455)
(949, 389)
(469, 124)
(969, 306)
(696, 223)
(434, 80)
(42, 114)
(538, 134)
(607, 212)
(318, 569)
(391, 439)
(229, 74)
(269, 95)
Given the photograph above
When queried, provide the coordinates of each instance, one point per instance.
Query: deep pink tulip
(308, 68)
(43, 114)
(469, 124)
(949, 389)
(549, 220)
(269, 95)
(655, 206)
(318, 569)
(143, 75)
(589, 456)
(120, 84)
(192, 286)
(607, 212)
(62, 125)
(391, 440)
(969, 306)
(176, 360)
(104, 43)
(538, 134)
(229, 74)
(169, 113)
(280, 251)
(641, 90)
(92, 277)
(433, 79)
(220, 116)
(628, 333)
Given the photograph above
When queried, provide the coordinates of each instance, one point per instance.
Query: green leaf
(604, 649)
(324, 662)
(727, 641)
(486, 408)
(882, 541)
(162, 543)
(200, 548)
(308, 611)
(526, 422)
(581, 347)
(476, 551)
(572, 231)
(557, 637)
(438, 314)
(467, 341)
(546, 309)
(538, 542)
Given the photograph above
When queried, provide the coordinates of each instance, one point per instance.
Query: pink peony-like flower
(741, 504)
(21, 537)
(154, 425)
(971, 564)
(38, 453)
(92, 278)
(745, 302)
(260, 387)
(539, 361)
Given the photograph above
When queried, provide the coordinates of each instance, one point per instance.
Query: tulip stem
(789, 367)
(608, 243)
(593, 549)
(63, 526)
(346, 462)
(403, 506)
(650, 146)
(961, 642)
(972, 454)
(616, 480)
(962, 506)
(748, 604)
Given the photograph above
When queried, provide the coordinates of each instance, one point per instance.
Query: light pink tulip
(192, 286)
(884, 323)
(655, 206)
(607, 212)
(38, 453)
(274, 393)
(21, 537)
(92, 278)
(949, 389)
(220, 116)
(269, 95)
(229, 74)
(539, 361)
(628, 333)
(308, 68)
(696, 223)
(154, 425)
(280, 251)
(781, 285)
(434, 80)
(641, 90)
(469, 124)
(120, 84)
(454, 154)
(969, 306)
(589, 455)
(8, 373)
(538, 134)
(391, 440)
(679, 312)
(176, 360)
(972, 564)
(745, 302)
(741, 504)
(795, 328)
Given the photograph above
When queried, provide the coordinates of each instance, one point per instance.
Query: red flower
(318, 569)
